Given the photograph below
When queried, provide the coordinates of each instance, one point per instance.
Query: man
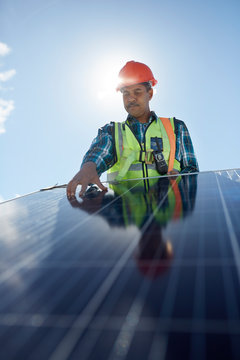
(142, 146)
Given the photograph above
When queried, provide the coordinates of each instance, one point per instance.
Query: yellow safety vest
(135, 160)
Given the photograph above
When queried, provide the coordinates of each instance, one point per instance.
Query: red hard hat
(135, 73)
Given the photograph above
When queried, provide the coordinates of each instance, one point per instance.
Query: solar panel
(148, 270)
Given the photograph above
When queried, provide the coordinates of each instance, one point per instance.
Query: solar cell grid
(132, 273)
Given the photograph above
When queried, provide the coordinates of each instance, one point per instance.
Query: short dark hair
(147, 85)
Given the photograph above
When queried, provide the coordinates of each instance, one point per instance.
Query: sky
(59, 61)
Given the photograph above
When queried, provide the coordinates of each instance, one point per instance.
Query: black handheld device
(160, 162)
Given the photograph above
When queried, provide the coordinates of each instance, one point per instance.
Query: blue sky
(59, 61)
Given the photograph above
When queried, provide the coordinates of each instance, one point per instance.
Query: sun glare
(105, 76)
(106, 82)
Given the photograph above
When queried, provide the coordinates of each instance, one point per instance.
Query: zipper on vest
(143, 167)
(144, 143)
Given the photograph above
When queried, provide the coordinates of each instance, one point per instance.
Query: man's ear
(150, 92)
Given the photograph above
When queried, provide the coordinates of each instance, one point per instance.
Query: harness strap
(169, 130)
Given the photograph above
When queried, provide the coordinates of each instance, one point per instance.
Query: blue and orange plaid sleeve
(184, 148)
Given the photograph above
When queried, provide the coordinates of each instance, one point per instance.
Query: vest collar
(131, 119)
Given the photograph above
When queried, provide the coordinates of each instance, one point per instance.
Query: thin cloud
(6, 107)
(6, 75)
(4, 49)
(6, 89)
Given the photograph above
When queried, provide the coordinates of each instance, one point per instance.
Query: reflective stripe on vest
(135, 160)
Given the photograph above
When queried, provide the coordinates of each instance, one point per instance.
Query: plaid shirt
(102, 149)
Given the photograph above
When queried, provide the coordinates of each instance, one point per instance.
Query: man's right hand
(87, 175)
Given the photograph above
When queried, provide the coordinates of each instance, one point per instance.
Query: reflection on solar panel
(148, 270)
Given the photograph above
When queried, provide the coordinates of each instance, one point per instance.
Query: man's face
(136, 100)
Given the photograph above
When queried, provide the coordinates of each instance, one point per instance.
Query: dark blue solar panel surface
(148, 270)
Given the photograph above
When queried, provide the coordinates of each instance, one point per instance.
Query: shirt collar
(152, 117)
